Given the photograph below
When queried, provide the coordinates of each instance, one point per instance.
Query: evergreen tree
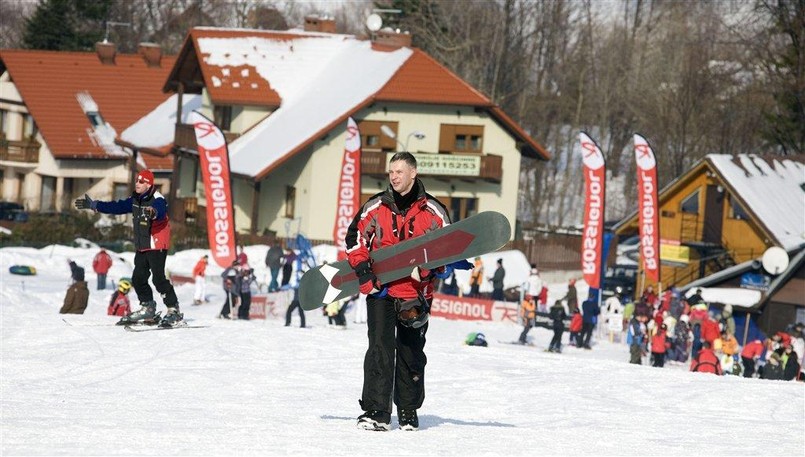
(66, 25)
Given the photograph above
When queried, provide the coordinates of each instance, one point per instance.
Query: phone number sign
(441, 164)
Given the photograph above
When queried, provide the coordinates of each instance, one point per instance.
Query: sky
(79, 385)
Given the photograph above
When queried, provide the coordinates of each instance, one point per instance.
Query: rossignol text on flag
(214, 159)
(647, 208)
(349, 187)
(594, 197)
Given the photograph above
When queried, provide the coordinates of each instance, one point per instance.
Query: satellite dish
(775, 260)
(374, 22)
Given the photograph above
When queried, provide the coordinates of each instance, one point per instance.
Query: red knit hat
(146, 176)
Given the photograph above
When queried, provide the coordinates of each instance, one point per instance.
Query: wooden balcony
(185, 137)
(374, 164)
(19, 151)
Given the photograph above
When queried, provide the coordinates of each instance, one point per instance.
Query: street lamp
(390, 133)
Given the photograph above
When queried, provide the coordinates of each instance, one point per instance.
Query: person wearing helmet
(119, 305)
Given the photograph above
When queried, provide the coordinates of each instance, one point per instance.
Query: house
(60, 115)
(283, 99)
(719, 219)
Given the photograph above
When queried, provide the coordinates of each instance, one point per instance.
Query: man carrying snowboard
(151, 240)
(398, 311)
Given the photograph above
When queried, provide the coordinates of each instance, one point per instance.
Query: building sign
(757, 281)
(444, 164)
(672, 251)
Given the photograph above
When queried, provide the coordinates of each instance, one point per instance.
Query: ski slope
(82, 386)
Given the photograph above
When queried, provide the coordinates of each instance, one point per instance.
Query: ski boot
(375, 420)
(408, 419)
(146, 315)
(173, 319)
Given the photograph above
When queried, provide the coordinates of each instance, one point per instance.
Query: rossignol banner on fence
(595, 173)
(214, 158)
(648, 208)
(349, 187)
(478, 309)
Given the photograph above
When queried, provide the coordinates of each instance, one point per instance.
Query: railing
(373, 163)
(19, 151)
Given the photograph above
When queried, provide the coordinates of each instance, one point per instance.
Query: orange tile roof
(48, 82)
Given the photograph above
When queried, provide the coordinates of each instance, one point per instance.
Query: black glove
(366, 278)
(85, 203)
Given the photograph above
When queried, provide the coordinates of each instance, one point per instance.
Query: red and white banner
(349, 187)
(648, 208)
(214, 157)
(473, 309)
(595, 175)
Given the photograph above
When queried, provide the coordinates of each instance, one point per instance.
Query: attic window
(691, 203)
(736, 210)
(95, 119)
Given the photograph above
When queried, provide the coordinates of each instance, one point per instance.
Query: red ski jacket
(102, 263)
(706, 362)
(379, 224)
(753, 350)
(576, 322)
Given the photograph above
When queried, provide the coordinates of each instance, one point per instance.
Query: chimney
(151, 52)
(106, 52)
(315, 23)
(389, 37)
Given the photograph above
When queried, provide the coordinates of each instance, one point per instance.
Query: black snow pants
(395, 360)
(147, 263)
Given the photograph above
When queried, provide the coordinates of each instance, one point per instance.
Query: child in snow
(119, 305)
(576, 323)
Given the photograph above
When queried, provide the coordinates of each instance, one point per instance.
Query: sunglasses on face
(142, 181)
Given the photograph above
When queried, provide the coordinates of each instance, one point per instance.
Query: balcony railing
(185, 137)
(19, 151)
(491, 168)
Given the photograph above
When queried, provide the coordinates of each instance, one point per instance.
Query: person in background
(295, 304)
(101, 265)
(635, 338)
(230, 279)
(199, 270)
(246, 279)
(572, 296)
(151, 228)
(360, 309)
(274, 263)
(119, 304)
(649, 297)
(528, 314)
(790, 363)
(773, 370)
(75, 302)
(576, 325)
(706, 361)
(75, 271)
(726, 321)
(533, 286)
(558, 316)
(497, 282)
(658, 347)
(590, 312)
(287, 267)
(750, 355)
(476, 277)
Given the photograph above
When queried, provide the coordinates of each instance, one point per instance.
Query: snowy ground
(257, 387)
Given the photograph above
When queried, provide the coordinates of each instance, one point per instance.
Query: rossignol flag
(647, 208)
(349, 187)
(214, 158)
(595, 172)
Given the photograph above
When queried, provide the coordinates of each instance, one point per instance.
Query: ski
(142, 328)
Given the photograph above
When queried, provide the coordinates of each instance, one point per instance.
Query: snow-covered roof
(735, 296)
(771, 189)
(318, 79)
(156, 129)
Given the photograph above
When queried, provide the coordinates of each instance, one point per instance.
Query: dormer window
(222, 115)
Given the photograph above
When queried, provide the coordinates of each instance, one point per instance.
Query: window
(462, 208)
(120, 191)
(222, 115)
(736, 211)
(48, 201)
(290, 201)
(95, 119)
(373, 138)
(461, 138)
(29, 128)
(3, 123)
(691, 203)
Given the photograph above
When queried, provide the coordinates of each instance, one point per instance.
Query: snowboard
(476, 235)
